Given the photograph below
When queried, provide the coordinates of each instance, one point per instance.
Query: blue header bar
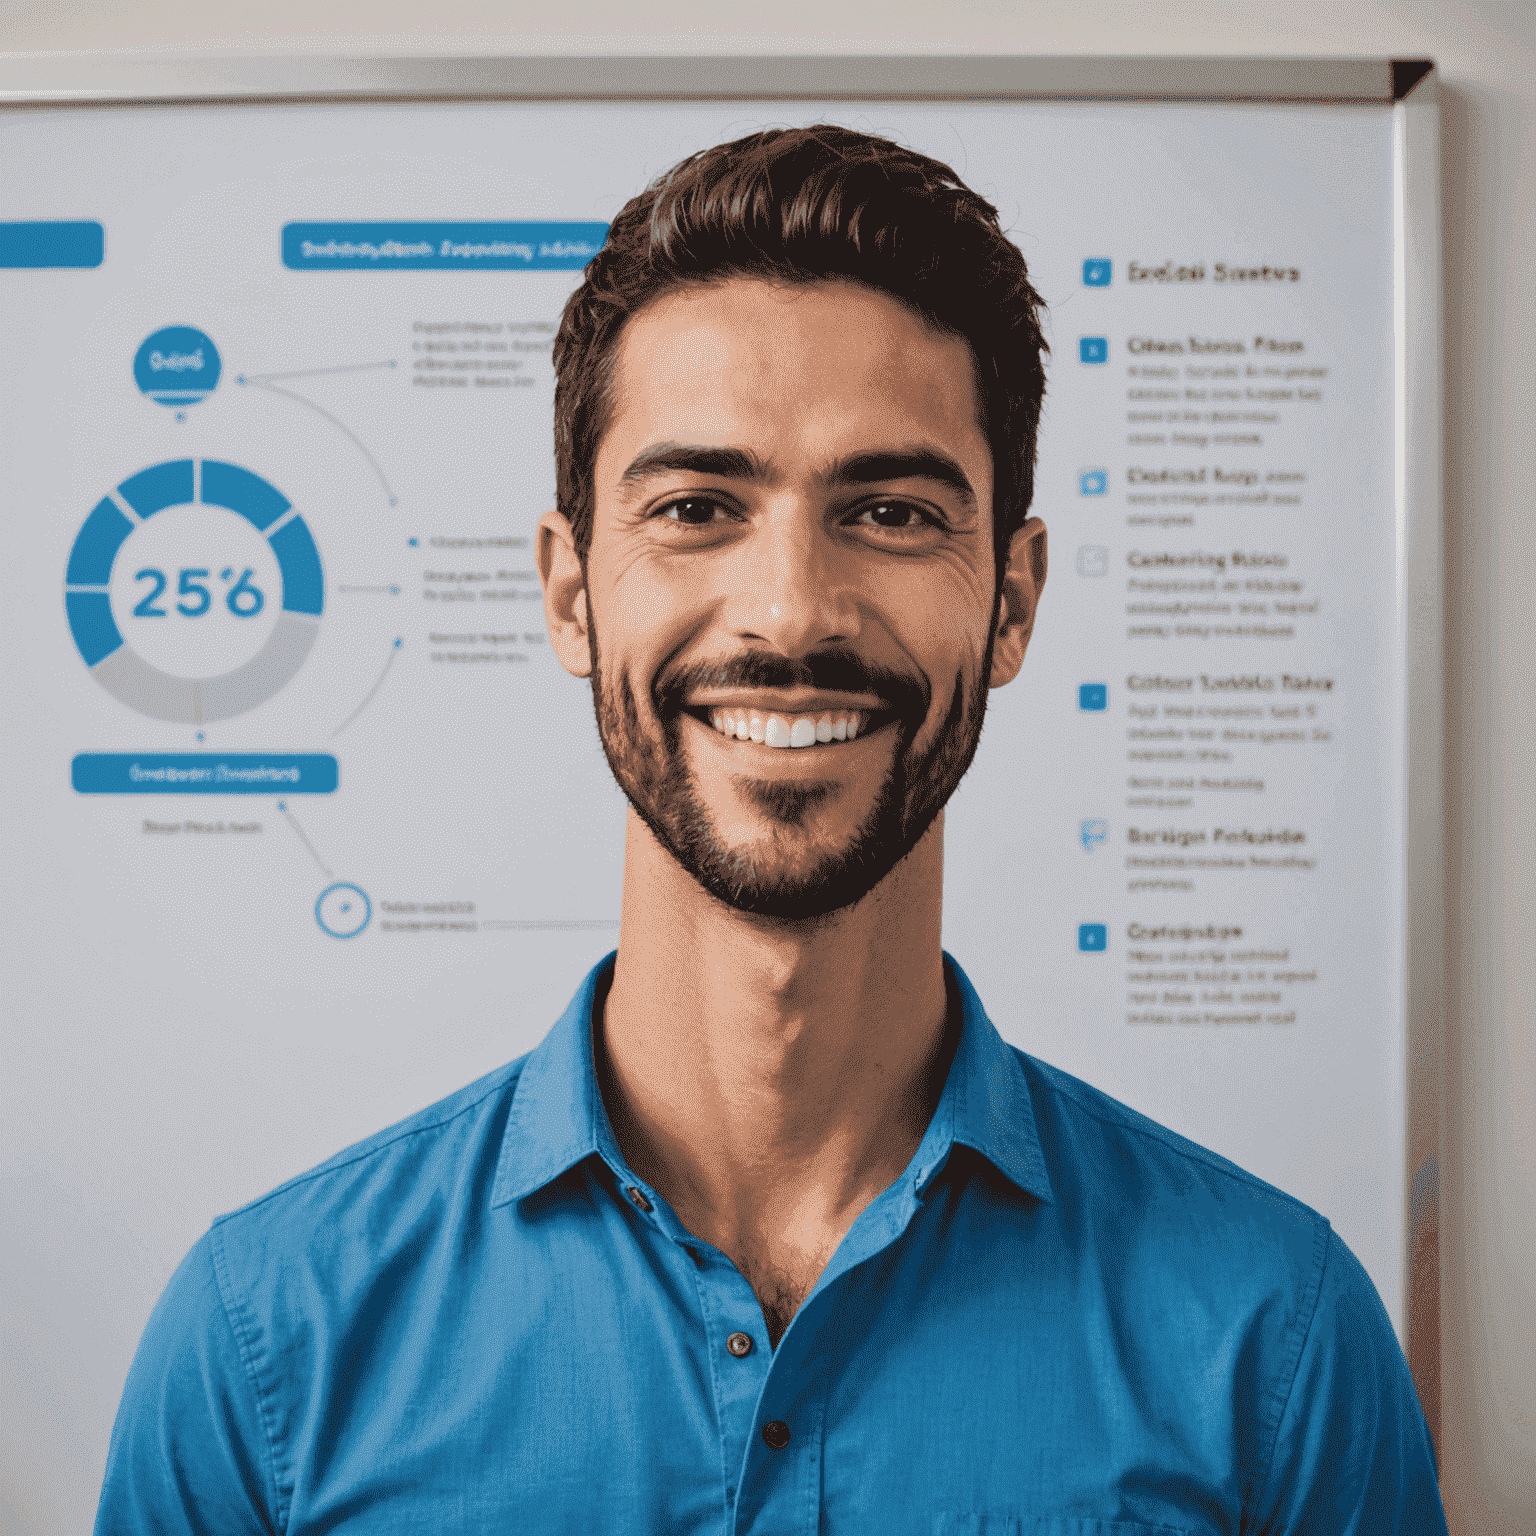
(204, 773)
(396, 247)
(52, 243)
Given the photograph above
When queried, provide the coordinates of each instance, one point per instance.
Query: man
(773, 1232)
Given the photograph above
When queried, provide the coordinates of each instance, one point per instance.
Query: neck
(768, 1076)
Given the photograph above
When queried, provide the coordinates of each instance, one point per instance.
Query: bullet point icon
(1093, 349)
(1092, 832)
(1092, 482)
(1097, 272)
(1092, 560)
(1092, 938)
(1093, 696)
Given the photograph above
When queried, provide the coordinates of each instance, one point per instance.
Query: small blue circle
(339, 914)
(178, 365)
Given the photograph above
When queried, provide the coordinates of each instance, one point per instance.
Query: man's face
(791, 585)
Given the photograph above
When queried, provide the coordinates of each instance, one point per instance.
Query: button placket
(737, 1372)
(781, 1474)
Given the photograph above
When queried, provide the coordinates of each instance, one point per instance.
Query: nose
(793, 590)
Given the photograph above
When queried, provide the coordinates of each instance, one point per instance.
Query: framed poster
(308, 826)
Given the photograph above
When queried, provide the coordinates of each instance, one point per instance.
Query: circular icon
(343, 910)
(177, 366)
(194, 591)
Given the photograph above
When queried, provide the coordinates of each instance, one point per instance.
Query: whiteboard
(317, 833)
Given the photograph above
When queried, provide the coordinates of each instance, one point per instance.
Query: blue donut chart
(88, 604)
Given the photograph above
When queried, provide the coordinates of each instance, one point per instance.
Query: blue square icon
(1093, 349)
(1093, 832)
(1092, 482)
(1097, 272)
(1093, 695)
(1092, 938)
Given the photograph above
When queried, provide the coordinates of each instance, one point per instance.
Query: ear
(565, 593)
(1023, 581)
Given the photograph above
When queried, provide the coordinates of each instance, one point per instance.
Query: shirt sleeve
(188, 1452)
(1352, 1452)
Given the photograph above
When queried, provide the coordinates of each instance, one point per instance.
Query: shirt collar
(558, 1118)
(986, 1104)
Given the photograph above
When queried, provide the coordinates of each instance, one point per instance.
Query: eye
(692, 511)
(896, 516)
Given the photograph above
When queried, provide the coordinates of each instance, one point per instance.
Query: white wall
(1487, 58)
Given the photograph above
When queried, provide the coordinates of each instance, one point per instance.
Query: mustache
(829, 671)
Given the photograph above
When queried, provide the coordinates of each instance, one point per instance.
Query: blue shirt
(1061, 1318)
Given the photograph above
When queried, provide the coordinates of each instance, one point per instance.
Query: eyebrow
(856, 469)
(673, 458)
(902, 464)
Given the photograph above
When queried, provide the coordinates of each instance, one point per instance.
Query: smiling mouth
(791, 731)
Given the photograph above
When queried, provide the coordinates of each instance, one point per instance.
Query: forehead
(799, 372)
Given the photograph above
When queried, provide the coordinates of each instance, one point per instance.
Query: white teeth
(775, 731)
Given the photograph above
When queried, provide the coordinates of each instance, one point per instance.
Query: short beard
(655, 777)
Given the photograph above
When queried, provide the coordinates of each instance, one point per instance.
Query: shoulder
(1166, 1202)
(1089, 1122)
(379, 1189)
(248, 1318)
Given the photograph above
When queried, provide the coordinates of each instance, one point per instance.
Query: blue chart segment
(138, 683)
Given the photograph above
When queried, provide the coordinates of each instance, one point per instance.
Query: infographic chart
(201, 504)
(312, 827)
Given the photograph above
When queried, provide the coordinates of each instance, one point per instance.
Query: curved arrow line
(395, 651)
(310, 373)
(293, 822)
(339, 425)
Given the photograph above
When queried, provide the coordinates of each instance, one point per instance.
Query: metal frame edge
(1420, 511)
(64, 79)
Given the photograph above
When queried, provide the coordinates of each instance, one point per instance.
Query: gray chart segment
(147, 689)
(267, 671)
(196, 701)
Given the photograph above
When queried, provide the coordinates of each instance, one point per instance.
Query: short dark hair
(799, 205)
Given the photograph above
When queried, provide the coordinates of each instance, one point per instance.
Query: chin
(794, 873)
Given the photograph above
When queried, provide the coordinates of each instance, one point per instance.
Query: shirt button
(739, 1344)
(776, 1435)
(639, 1199)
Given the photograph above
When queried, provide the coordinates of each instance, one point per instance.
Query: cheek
(943, 625)
(643, 613)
